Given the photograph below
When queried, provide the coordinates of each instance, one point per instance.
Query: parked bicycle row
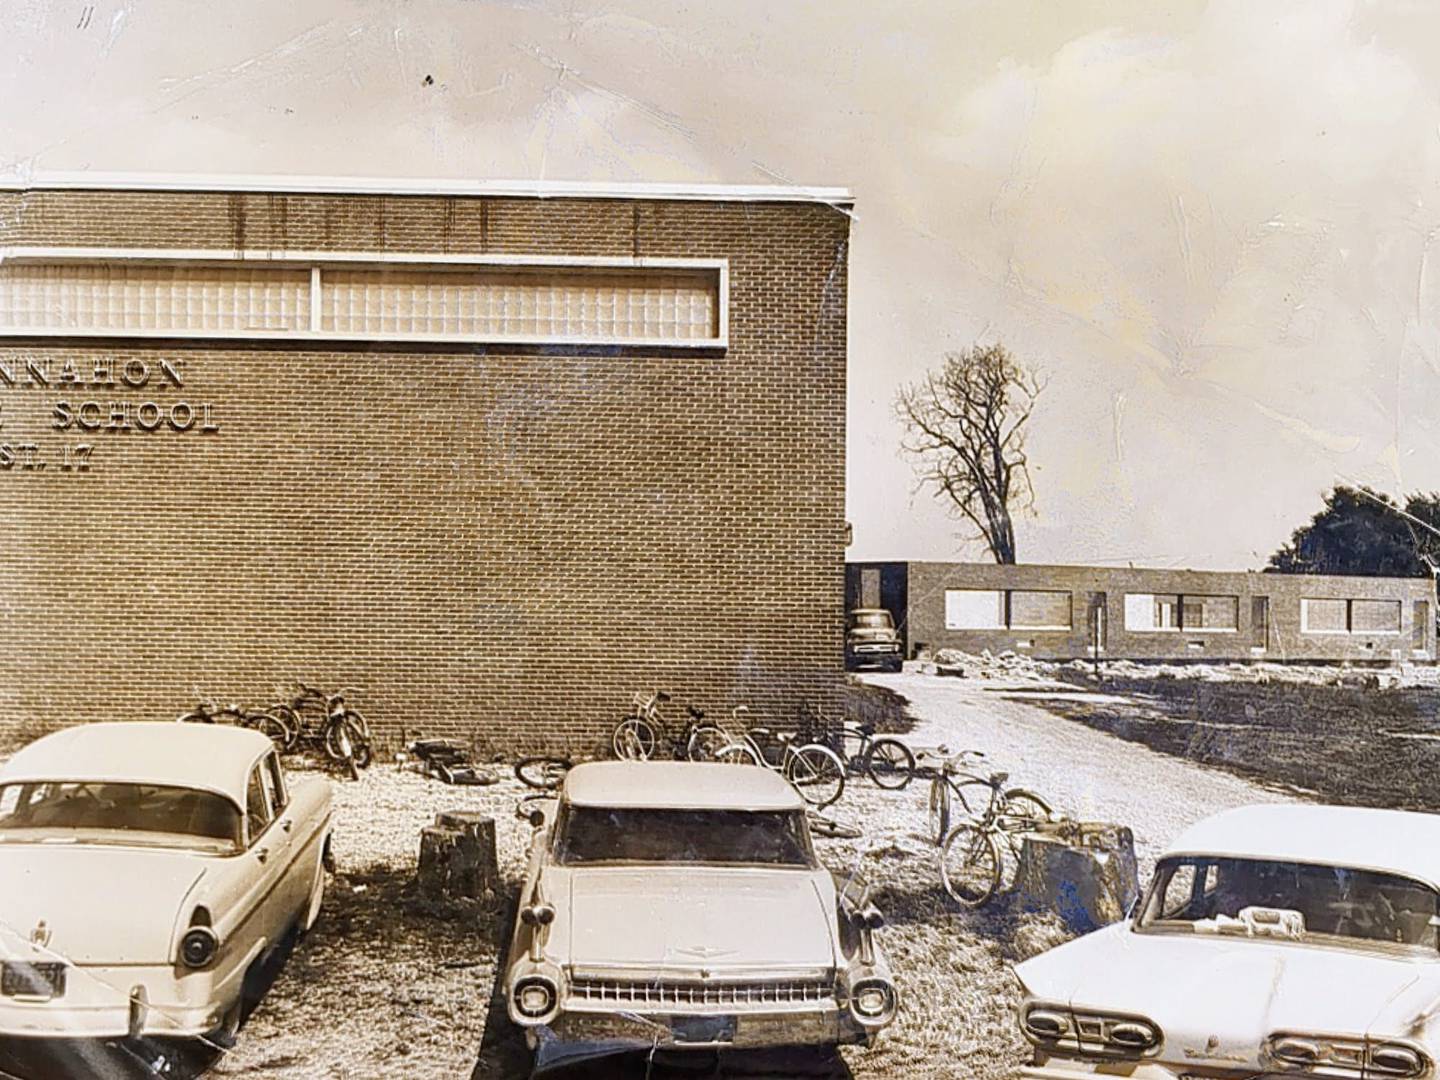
(308, 719)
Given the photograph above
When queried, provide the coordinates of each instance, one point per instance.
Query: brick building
(1071, 612)
(497, 455)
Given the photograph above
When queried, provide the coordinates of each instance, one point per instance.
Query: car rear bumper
(114, 1002)
(613, 1029)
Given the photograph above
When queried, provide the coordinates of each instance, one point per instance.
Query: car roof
(1395, 841)
(678, 785)
(210, 757)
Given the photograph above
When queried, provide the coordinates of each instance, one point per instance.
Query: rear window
(119, 813)
(1258, 897)
(586, 834)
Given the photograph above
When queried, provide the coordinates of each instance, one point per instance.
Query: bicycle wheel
(633, 740)
(939, 809)
(737, 754)
(830, 828)
(705, 742)
(890, 763)
(291, 719)
(817, 773)
(272, 727)
(341, 739)
(359, 722)
(1023, 811)
(198, 716)
(970, 866)
(541, 772)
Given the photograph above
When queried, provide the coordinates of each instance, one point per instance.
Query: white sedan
(148, 868)
(1274, 941)
(681, 905)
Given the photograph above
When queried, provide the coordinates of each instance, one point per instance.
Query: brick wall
(496, 544)
(1282, 640)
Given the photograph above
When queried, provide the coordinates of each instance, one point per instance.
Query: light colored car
(1273, 941)
(682, 905)
(147, 868)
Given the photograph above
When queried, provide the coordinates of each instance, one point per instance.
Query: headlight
(535, 998)
(873, 1001)
(1087, 1033)
(199, 946)
(1349, 1055)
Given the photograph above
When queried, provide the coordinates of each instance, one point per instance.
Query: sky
(1211, 225)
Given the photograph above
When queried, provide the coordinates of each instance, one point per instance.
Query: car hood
(98, 905)
(1217, 999)
(691, 918)
(873, 633)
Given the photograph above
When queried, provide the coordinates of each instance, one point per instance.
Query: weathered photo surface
(587, 539)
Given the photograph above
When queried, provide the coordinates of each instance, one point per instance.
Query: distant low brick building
(499, 455)
(1070, 612)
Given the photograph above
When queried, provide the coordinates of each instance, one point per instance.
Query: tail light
(1349, 1055)
(1088, 1033)
(873, 1001)
(198, 947)
(535, 999)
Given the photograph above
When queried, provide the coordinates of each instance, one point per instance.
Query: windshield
(50, 811)
(723, 837)
(871, 620)
(1253, 897)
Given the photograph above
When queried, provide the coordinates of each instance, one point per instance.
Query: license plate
(32, 980)
(703, 1029)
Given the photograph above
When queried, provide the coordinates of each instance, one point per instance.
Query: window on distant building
(1000, 609)
(1039, 610)
(974, 609)
(1327, 616)
(1151, 611)
(1173, 611)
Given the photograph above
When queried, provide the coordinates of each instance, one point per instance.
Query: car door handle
(262, 853)
(286, 825)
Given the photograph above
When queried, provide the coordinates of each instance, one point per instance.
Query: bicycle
(972, 859)
(636, 736)
(543, 772)
(884, 758)
(207, 712)
(344, 733)
(814, 770)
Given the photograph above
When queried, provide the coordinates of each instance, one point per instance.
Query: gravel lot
(388, 985)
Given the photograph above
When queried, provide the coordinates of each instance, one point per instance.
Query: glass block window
(148, 296)
(535, 304)
(106, 297)
(1035, 610)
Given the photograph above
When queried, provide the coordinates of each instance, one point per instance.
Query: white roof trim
(361, 185)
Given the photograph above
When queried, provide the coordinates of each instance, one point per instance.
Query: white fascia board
(353, 185)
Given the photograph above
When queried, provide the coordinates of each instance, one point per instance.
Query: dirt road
(1085, 772)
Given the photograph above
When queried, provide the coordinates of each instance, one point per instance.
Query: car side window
(279, 796)
(257, 805)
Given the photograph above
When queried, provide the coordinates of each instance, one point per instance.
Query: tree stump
(1083, 871)
(457, 855)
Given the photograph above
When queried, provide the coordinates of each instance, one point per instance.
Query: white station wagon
(682, 905)
(1274, 941)
(146, 868)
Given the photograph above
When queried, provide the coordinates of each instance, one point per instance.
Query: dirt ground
(388, 985)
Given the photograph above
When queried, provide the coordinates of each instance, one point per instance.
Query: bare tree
(965, 428)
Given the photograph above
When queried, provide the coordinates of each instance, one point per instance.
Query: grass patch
(1354, 745)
